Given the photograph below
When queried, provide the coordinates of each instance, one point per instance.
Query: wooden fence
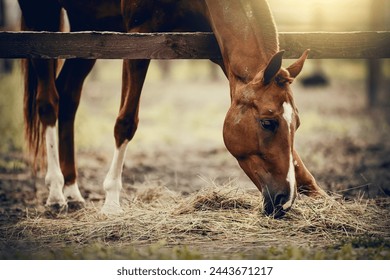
(112, 45)
(371, 45)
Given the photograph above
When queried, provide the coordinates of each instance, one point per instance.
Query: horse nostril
(274, 207)
(281, 199)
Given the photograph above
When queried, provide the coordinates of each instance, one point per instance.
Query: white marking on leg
(72, 193)
(288, 116)
(54, 178)
(113, 182)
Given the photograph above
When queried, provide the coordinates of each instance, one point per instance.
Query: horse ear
(295, 68)
(273, 67)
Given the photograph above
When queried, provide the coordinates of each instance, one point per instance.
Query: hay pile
(223, 218)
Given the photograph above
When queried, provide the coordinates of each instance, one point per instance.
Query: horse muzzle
(278, 204)
(279, 194)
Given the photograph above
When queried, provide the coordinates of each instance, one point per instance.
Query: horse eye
(270, 125)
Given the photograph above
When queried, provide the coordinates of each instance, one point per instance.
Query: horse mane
(263, 25)
(246, 33)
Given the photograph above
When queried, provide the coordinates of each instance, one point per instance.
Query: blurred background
(343, 138)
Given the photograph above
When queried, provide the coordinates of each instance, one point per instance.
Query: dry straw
(215, 218)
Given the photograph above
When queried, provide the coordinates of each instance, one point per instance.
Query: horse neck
(246, 34)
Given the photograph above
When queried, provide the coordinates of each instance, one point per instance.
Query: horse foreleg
(47, 107)
(69, 86)
(113, 182)
(134, 72)
(306, 182)
(54, 179)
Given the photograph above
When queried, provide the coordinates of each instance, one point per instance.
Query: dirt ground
(179, 142)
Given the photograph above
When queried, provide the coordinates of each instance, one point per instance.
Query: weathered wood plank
(370, 44)
(108, 45)
(111, 45)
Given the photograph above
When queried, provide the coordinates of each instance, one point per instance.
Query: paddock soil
(179, 148)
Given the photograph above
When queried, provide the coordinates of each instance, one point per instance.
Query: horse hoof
(56, 210)
(111, 210)
(74, 206)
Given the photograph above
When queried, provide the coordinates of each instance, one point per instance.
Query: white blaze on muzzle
(288, 116)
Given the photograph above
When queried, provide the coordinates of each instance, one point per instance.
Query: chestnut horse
(259, 127)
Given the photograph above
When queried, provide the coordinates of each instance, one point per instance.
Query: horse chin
(274, 211)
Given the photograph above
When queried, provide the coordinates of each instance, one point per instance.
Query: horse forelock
(283, 77)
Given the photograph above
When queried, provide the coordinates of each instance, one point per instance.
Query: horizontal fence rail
(113, 45)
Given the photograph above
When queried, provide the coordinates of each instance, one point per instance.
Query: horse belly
(98, 15)
(167, 15)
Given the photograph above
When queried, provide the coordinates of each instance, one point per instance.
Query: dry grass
(215, 219)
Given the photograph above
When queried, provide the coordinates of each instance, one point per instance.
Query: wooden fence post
(5, 64)
(374, 79)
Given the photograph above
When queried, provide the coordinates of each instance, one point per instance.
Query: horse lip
(278, 212)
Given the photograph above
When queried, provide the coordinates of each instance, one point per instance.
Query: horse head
(259, 132)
